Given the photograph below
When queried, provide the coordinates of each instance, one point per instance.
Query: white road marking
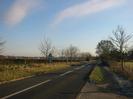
(79, 67)
(72, 70)
(13, 94)
(82, 66)
(66, 73)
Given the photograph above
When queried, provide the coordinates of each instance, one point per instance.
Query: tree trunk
(122, 61)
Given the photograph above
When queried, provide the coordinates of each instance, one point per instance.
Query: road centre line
(46, 81)
(71, 71)
(66, 73)
(79, 67)
(15, 93)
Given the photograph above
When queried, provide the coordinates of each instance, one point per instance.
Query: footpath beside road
(91, 91)
(115, 88)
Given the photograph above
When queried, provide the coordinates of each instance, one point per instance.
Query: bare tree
(46, 47)
(62, 54)
(66, 53)
(85, 56)
(120, 39)
(71, 52)
(1, 45)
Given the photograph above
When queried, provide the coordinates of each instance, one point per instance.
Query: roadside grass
(103, 81)
(98, 75)
(128, 69)
(11, 72)
(129, 65)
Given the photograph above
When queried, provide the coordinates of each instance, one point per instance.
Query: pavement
(110, 90)
(91, 91)
(61, 85)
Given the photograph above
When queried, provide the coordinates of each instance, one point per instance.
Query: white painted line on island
(13, 94)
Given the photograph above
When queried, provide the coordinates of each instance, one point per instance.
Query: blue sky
(83, 23)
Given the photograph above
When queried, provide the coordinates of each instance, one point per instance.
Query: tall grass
(128, 69)
(15, 71)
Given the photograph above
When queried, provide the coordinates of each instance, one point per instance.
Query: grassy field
(97, 75)
(14, 71)
(129, 65)
(128, 69)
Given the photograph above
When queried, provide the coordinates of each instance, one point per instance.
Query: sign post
(50, 58)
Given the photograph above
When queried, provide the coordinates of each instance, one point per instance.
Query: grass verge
(15, 71)
(98, 76)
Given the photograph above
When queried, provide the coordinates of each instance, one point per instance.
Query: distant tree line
(69, 54)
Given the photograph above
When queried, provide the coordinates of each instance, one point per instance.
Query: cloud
(19, 10)
(87, 8)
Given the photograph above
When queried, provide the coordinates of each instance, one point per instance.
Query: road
(61, 85)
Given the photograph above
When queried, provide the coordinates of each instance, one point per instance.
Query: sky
(82, 23)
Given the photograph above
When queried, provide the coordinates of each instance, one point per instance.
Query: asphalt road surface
(61, 85)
